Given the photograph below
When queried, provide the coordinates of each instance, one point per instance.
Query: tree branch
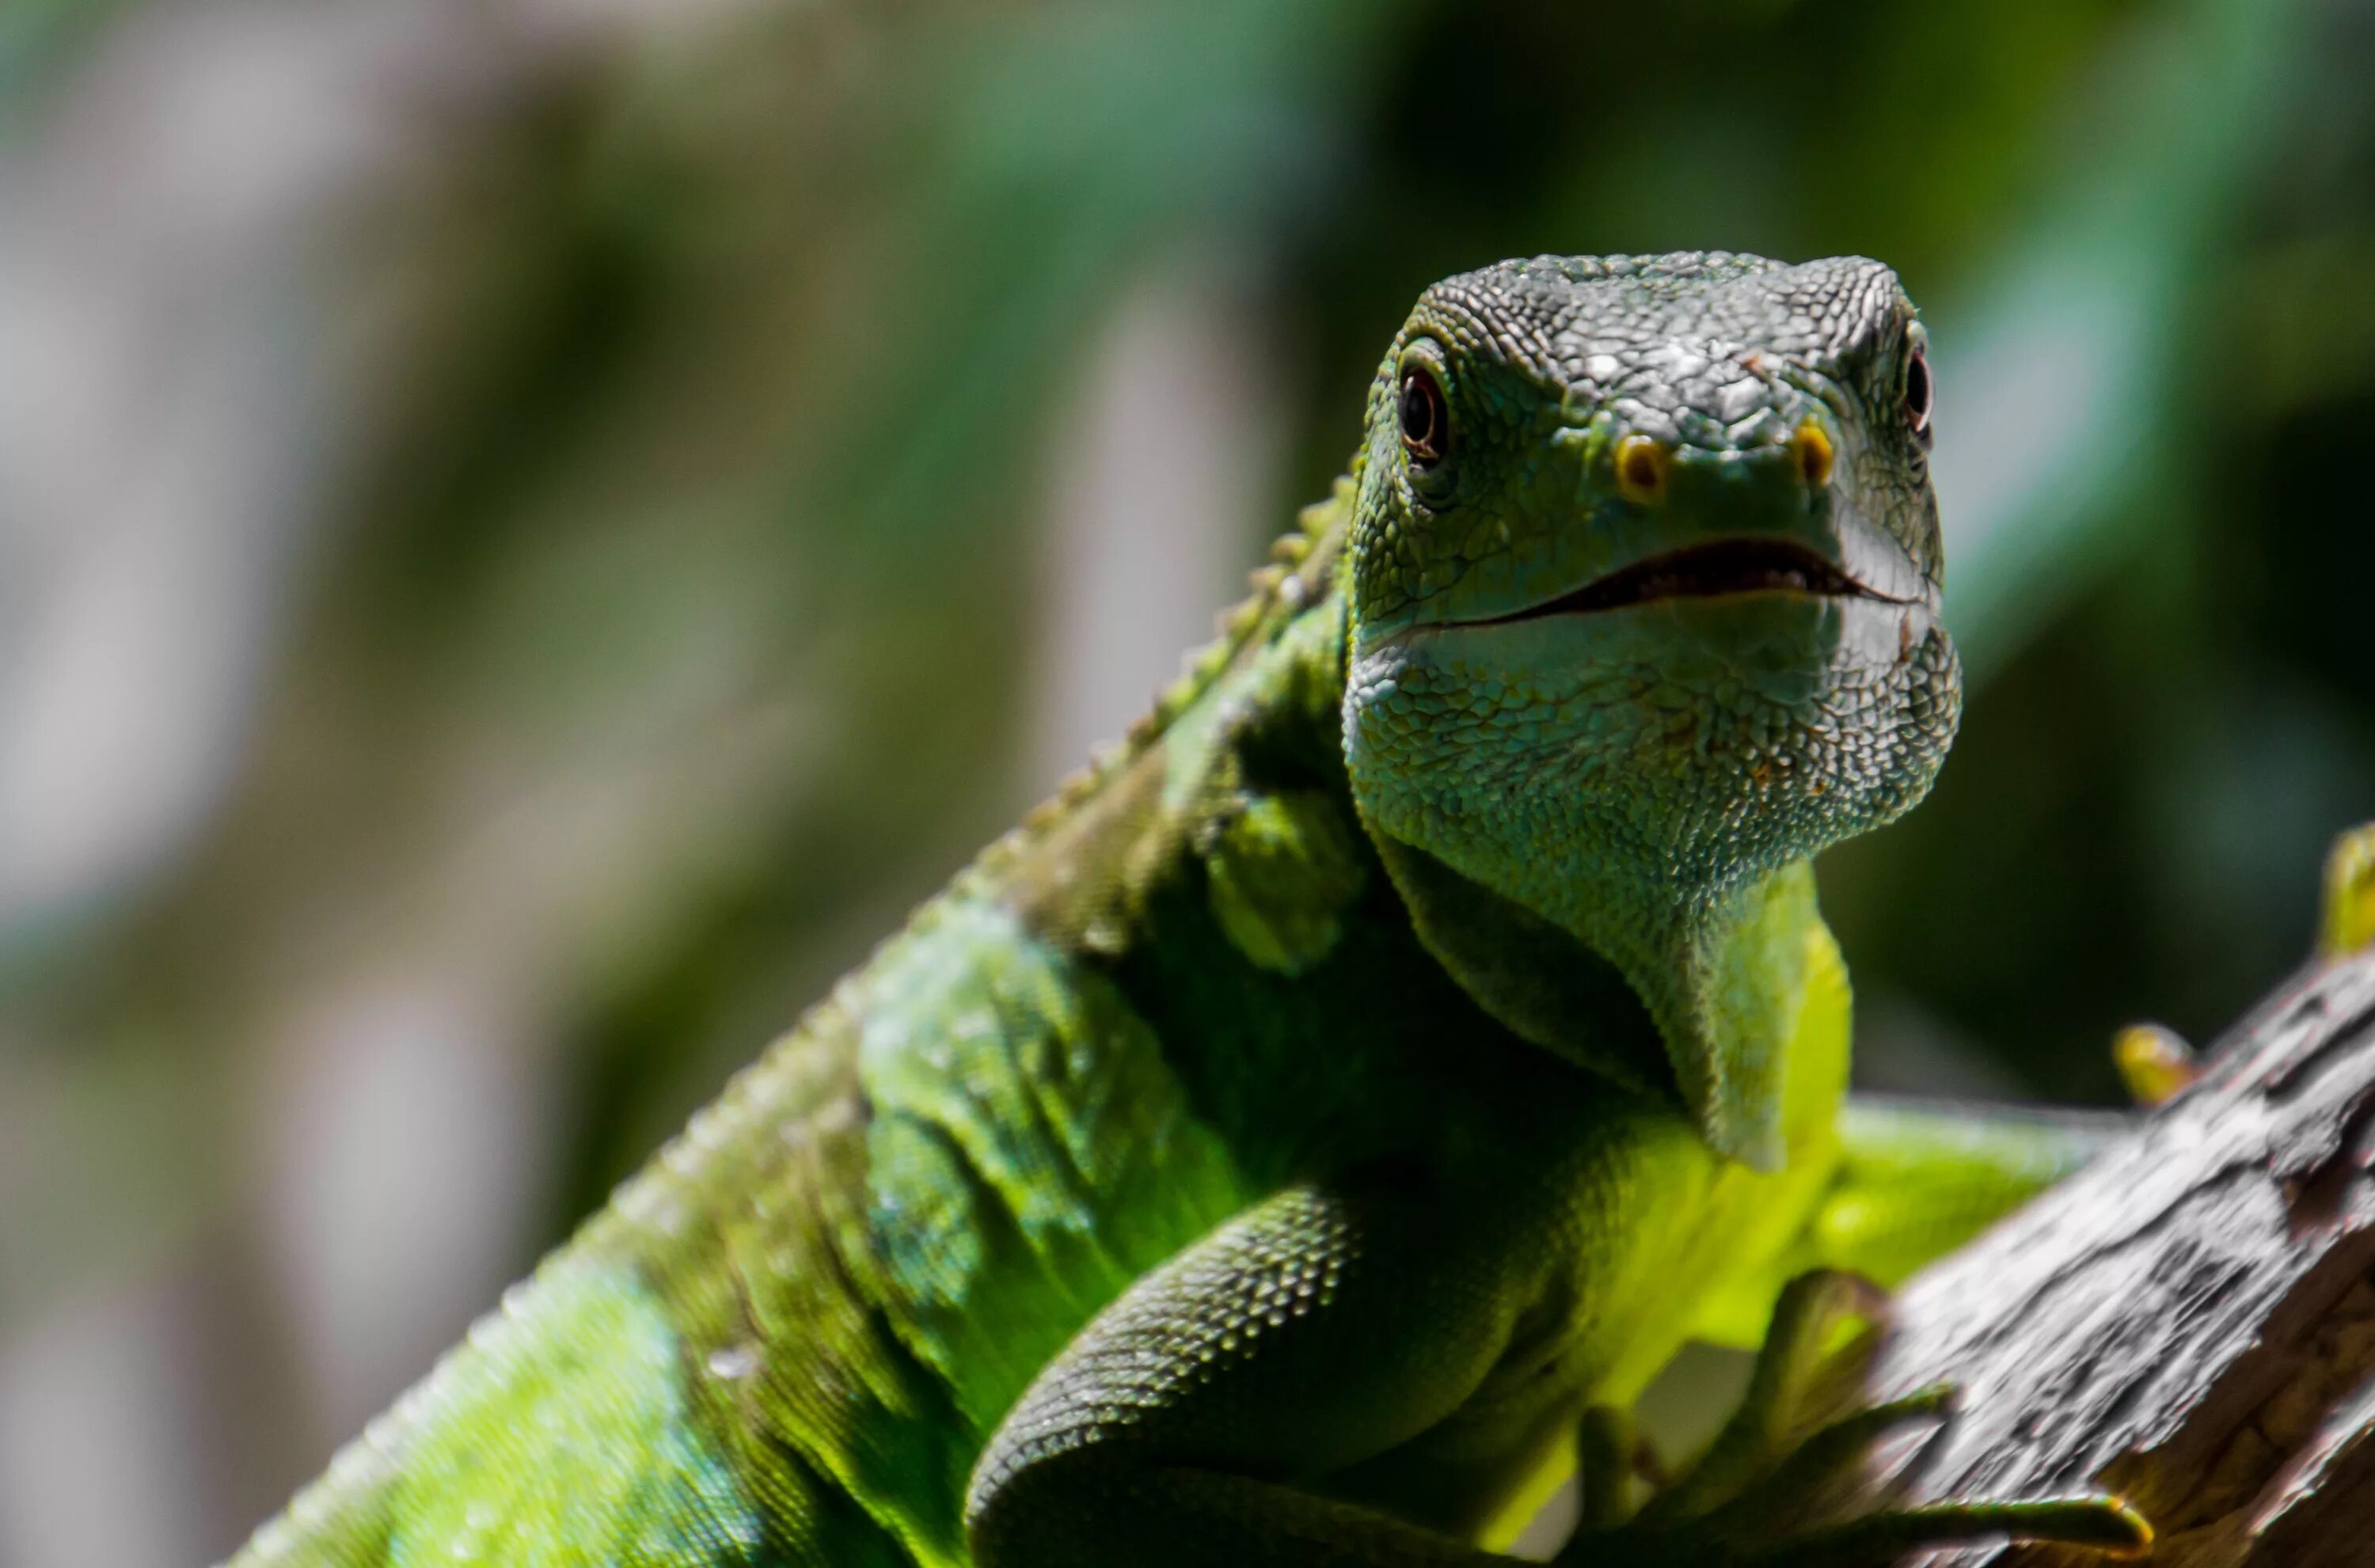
(2189, 1321)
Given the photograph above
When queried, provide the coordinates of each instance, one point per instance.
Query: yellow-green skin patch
(1030, 1154)
(574, 1449)
(1281, 875)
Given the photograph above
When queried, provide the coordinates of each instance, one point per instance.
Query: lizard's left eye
(1426, 423)
(1918, 391)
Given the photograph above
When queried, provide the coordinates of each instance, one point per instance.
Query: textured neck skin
(1562, 689)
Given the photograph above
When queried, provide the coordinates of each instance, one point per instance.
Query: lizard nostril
(1641, 468)
(1812, 449)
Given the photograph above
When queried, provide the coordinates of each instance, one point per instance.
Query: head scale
(1644, 585)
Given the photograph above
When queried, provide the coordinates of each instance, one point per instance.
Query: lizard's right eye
(1426, 423)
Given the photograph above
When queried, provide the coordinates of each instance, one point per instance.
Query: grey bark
(2189, 1321)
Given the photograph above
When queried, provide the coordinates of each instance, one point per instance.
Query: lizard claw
(1756, 1499)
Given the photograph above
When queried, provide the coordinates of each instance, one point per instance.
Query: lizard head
(1642, 592)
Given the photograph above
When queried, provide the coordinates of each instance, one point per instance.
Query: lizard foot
(1761, 1497)
(2154, 1062)
(2347, 915)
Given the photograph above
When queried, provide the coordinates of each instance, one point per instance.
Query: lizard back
(786, 1340)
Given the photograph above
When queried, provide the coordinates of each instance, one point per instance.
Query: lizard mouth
(1706, 571)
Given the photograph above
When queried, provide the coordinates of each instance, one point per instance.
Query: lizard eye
(1917, 392)
(1426, 424)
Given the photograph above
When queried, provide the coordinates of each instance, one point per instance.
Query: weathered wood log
(2189, 1321)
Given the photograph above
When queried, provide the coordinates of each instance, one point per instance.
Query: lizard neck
(1691, 1000)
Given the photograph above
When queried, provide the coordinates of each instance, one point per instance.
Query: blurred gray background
(532, 531)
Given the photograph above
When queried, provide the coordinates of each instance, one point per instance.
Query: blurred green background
(531, 531)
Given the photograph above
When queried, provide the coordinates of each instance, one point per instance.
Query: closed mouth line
(1704, 571)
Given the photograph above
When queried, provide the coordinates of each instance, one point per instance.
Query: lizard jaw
(1702, 572)
(1850, 560)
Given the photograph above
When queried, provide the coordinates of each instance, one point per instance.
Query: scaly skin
(1420, 1026)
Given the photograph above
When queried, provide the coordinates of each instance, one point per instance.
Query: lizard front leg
(1188, 1424)
(1321, 1327)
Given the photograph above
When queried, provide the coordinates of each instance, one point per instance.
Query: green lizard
(1292, 1142)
